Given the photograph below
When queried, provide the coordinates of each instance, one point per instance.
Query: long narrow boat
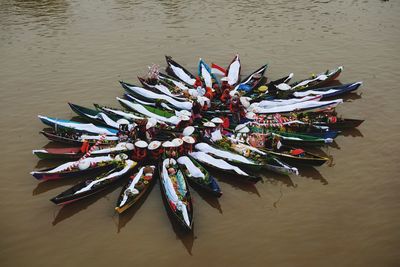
(147, 95)
(290, 156)
(137, 186)
(162, 88)
(176, 70)
(268, 161)
(176, 192)
(331, 91)
(318, 80)
(340, 124)
(293, 139)
(253, 81)
(76, 138)
(149, 112)
(74, 153)
(223, 166)
(120, 114)
(95, 116)
(73, 168)
(90, 187)
(307, 106)
(231, 157)
(174, 82)
(199, 176)
(233, 71)
(77, 126)
(205, 71)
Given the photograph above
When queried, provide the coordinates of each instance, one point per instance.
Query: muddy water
(57, 51)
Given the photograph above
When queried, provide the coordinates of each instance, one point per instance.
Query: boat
(233, 71)
(95, 116)
(340, 123)
(137, 186)
(73, 138)
(268, 162)
(318, 80)
(77, 127)
(150, 112)
(231, 157)
(175, 191)
(177, 83)
(162, 88)
(149, 96)
(295, 139)
(198, 176)
(331, 91)
(90, 187)
(75, 153)
(120, 114)
(205, 71)
(252, 82)
(306, 106)
(176, 70)
(75, 168)
(223, 166)
(296, 157)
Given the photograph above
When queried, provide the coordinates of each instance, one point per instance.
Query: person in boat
(141, 129)
(217, 90)
(225, 85)
(151, 130)
(276, 143)
(209, 128)
(272, 89)
(198, 82)
(218, 122)
(236, 108)
(169, 149)
(123, 132)
(155, 150)
(140, 151)
(188, 143)
(225, 97)
(178, 143)
(183, 123)
(196, 112)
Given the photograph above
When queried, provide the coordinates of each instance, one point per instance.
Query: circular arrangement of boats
(176, 127)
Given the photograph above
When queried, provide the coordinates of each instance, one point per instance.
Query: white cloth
(233, 72)
(131, 187)
(308, 105)
(218, 163)
(193, 169)
(128, 165)
(154, 96)
(87, 127)
(142, 110)
(204, 147)
(182, 75)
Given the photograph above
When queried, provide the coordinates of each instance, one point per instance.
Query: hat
(188, 139)
(224, 79)
(177, 142)
(151, 123)
(242, 128)
(209, 124)
(154, 145)
(122, 121)
(262, 88)
(141, 144)
(168, 144)
(183, 112)
(188, 131)
(251, 115)
(217, 120)
(184, 118)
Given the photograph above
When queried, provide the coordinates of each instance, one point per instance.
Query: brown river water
(347, 214)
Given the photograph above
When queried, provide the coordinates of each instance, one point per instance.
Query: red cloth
(85, 147)
(297, 151)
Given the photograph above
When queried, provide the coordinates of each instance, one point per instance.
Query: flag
(215, 69)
